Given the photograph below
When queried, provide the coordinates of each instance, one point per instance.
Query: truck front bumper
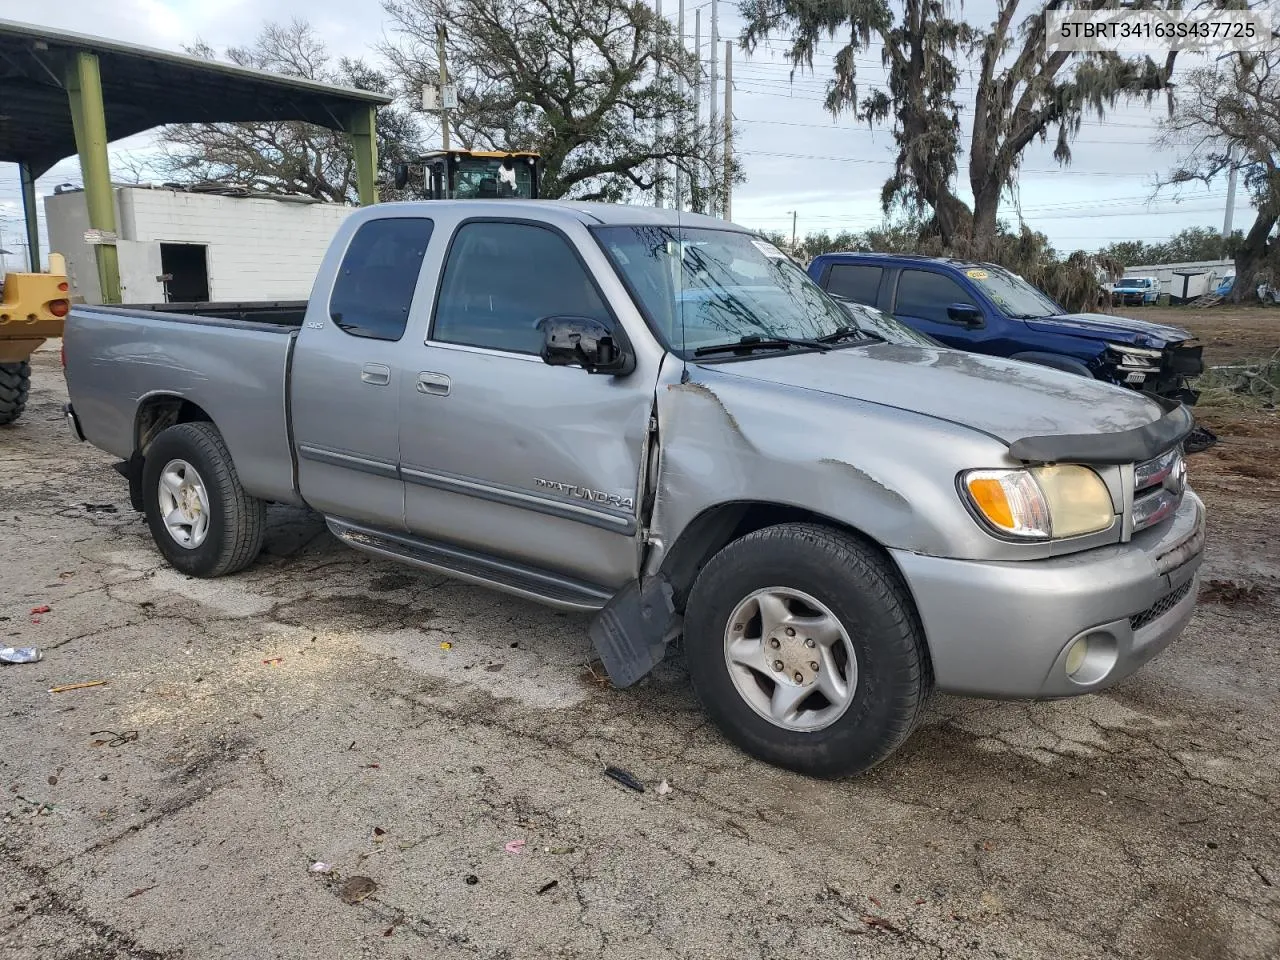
(1015, 630)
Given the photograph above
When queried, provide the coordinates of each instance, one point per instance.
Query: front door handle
(433, 384)
(378, 374)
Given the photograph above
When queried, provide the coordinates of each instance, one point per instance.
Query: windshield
(1132, 283)
(890, 329)
(476, 178)
(703, 288)
(1013, 295)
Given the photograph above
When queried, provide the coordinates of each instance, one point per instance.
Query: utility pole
(444, 82)
(679, 197)
(793, 231)
(715, 96)
(728, 129)
(695, 176)
(1231, 195)
(658, 164)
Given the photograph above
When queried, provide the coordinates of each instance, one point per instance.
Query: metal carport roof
(63, 93)
(142, 88)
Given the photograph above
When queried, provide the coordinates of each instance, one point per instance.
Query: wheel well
(715, 528)
(161, 412)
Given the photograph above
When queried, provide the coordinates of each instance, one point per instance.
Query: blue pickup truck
(986, 309)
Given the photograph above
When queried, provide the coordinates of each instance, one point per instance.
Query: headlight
(1041, 503)
(1135, 358)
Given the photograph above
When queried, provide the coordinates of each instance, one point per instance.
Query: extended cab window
(374, 289)
(502, 278)
(926, 295)
(854, 281)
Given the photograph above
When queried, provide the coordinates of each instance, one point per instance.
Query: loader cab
(473, 175)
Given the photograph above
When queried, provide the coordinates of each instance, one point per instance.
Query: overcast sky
(795, 156)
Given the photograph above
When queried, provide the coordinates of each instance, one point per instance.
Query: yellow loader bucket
(34, 308)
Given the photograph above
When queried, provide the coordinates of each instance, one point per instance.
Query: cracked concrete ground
(306, 711)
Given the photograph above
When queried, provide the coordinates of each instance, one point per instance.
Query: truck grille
(1160, 607)
(1158, 486)
(1185, 358)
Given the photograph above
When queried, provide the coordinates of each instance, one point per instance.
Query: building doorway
(185, 267)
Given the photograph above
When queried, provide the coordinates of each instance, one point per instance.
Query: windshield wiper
(756, 342)
(844, 333)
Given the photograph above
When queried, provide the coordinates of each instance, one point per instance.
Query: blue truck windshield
(1014, 296)
(703, 288)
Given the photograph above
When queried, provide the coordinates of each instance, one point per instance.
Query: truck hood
(1137, 333)
(1004, 398)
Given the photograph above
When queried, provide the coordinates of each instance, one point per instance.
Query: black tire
(236, 520)
(15, 385)
(861, 589)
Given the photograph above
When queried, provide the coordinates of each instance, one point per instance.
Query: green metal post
(29, 214)
(362, 128)
(84, 89)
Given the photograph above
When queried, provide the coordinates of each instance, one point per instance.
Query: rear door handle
(378, 374)
(434, 384)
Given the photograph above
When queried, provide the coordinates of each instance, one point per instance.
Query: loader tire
(15, 384)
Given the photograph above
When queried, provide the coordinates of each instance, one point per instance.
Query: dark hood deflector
(1126, 446)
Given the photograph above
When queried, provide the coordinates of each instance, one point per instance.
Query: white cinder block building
(180, 247)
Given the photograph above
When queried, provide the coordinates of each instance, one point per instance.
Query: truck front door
(345, 386)
(502, 453)
(922, 300)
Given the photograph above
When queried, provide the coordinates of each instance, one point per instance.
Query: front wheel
(15, 385)
(200, 517)
(805, 649)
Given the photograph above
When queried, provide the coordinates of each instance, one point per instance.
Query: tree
(288, 156)
(1228, 118)
(586, 83)
(1187, 246)
(1130, 252)
(1023, 93)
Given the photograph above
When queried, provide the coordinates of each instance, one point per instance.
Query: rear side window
(374, 289)
(854, 281)
(502, 278)
(926, 295)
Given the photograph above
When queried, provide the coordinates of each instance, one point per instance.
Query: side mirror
(587, 343)
(402, 175)
(965, 314)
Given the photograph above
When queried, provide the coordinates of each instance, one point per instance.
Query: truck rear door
(501, 452)
(345, 388)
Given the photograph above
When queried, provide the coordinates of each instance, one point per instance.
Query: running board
(546, 587)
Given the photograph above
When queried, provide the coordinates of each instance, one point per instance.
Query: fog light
(1089, 658)
(1076, 654)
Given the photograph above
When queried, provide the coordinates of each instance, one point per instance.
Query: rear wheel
(806, 651)
(200, 517)
(15, 385)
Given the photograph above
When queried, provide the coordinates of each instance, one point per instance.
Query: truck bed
(232, 367)
(284, 313)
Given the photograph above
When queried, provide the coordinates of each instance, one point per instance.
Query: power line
(1060, 172)
(1027, 215)
(860, 128)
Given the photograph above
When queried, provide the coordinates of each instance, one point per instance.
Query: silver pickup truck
(659, 417)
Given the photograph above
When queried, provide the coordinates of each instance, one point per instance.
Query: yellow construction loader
(473, 175)
(33, 307)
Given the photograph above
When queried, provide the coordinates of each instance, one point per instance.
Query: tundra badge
(582, 493)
